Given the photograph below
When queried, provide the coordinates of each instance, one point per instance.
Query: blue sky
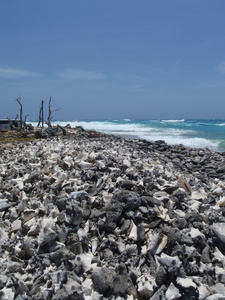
(103, 59)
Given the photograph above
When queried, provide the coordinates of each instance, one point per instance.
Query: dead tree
(41, 115)
(25, 126)
(23, 129)
(48, 122)
(22, 125)
(12, 126)
(21, 112)
(25, 119)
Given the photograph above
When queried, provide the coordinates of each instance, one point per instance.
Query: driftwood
(49, 132)
(18, 132)
(63, 129)
(11, 124)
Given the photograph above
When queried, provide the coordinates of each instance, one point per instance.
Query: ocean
(191, 133)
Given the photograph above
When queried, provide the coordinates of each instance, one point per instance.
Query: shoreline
(94, 216)
(78, 130)
(191, 133)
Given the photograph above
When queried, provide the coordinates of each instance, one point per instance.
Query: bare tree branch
(21, 111)
(25, 126)
(48, 122)
(41, 115)
(63, 129)
(13, 126)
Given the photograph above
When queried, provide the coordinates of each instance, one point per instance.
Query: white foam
(105, 126)
(171, 136)
(173, 121)
(188, 142)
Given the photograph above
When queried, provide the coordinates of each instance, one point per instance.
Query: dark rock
(79, 196)
(160, 294)
(141, 233)
(120, 281)
(98, 203)
(130, 200)
(74, 214)
(113, 213)
(180, 195)
(179, 223)
(148, 200)
(160, 276)
(154, 224)
(61, 202)
(102, 279)
(124, 226)
(73, 244)
(61, 255)
(221, 170)
(127, 185)
(194, 216)
(205, 257)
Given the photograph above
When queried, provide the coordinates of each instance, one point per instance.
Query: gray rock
(172, 292)
(79, 196)
(159, 294)
(74, 214)
(102, 279)
(131, 200)
(5, 204)
(61, 202)
(127, 185)
(113, 213)
(120, 281)
(219, 231)
(141, 233)
(160, 276)
(61, 255)
(124, 226)
(205, 257)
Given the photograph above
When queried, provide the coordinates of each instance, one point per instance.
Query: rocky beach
(94, 216)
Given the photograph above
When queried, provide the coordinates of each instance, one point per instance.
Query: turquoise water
(191, 133)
